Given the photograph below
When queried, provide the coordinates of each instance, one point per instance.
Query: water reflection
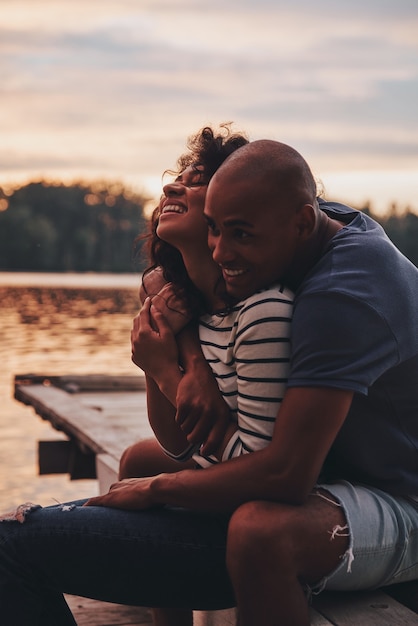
(54, 331)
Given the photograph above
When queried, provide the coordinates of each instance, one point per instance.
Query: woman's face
(181, 220)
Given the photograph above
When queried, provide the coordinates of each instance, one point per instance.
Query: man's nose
(221, 251)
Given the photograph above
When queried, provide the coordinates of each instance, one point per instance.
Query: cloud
(116, 86)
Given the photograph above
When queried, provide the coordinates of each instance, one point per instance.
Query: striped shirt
(248, 351)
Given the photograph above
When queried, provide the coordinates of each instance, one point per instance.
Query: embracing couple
(278, 338)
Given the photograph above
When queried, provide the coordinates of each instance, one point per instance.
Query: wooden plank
(347, 609)
(107, 471)
(405, 593)
(97, 428)
(74, 383)
(364, 608)
(88, 612)
(65, 457)
(319, 620)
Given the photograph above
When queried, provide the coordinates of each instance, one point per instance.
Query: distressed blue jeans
(160, 557)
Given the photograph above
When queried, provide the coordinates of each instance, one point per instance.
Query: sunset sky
(112, 88)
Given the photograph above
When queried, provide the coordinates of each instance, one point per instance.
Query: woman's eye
(197, 182)
(241, 234)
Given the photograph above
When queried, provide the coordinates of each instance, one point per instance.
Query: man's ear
(306, 221)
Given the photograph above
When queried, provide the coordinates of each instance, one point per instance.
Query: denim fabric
(159, 557)
(383, 531)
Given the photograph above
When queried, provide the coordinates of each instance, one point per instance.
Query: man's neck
(325, 230)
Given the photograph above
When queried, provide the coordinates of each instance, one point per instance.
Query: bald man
(330, 503)
(341, 475)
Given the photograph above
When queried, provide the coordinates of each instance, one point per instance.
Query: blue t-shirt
(355, 327)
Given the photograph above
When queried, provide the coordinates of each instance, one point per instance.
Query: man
(352, 400)
(330, 503)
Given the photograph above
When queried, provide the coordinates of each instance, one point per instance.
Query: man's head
(261, 210)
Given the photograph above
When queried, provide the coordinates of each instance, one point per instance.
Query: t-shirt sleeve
(339, 341)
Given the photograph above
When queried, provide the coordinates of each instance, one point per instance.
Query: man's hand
(131, 494)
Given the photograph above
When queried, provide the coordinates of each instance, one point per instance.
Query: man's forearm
(221, 488)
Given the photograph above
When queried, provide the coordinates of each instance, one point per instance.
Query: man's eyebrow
(233, 222)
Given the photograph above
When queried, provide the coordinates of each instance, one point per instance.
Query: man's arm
(285, 471)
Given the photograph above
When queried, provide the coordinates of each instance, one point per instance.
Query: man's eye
(212, 227)
(241, 234)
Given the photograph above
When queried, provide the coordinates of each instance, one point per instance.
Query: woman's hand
(151, 284)
(166, 299)
(154, 349)
(131, 494)
(173, 307)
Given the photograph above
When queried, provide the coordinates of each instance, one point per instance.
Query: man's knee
(256, 528)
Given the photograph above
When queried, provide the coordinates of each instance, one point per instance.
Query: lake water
(55, 324)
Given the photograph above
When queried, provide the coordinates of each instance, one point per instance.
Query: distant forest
(92, 227)
(48, 227)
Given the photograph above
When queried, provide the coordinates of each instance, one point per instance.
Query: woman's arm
(161, 414)
(154, 349)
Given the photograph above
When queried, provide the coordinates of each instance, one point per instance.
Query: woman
(245, 343)
(251, 380)
(153, 556)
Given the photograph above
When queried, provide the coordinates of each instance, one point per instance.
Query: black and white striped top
(249, 351)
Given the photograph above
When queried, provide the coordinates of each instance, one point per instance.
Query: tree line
(71, 228)
(92, 227)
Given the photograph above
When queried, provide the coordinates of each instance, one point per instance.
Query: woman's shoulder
(267, 305)
(276, 293)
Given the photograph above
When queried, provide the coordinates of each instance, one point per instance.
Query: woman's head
(179, 214)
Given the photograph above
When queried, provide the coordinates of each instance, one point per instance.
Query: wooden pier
(101, 416)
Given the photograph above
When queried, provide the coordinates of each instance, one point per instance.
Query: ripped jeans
(160, 557)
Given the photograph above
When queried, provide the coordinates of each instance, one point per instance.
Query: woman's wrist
(168, 381)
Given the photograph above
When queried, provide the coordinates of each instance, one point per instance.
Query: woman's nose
(174, 188)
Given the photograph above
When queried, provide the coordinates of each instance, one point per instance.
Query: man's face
(251, 237)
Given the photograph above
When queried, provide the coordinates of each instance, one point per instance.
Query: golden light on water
(52, 330)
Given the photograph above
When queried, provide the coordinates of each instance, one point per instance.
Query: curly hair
(206, 150)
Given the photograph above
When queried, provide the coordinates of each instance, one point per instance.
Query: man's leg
(275, 549)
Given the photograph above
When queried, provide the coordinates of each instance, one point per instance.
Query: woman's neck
(205, 274)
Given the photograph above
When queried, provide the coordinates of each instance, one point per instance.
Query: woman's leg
(146, 458)
(160, 557)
